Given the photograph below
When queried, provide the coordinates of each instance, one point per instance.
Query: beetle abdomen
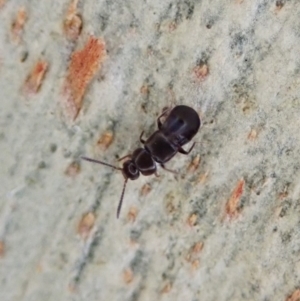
(181, 125)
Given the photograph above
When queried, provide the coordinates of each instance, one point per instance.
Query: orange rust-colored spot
(194, 164)
(195, 264)
(172, 26)
(295, 296)
(106, 139)
(144, 90)
(83, 66)
(197, 248)
(73, 169)
(2, 2)
(18, 25)
(73, 22)
(232, 205)
(284, 194)
(203, 177)
(252, 135)
(86, 224)
(188, 257)
(146, 188)
(192, 220)
(128, 276)
(2, 248)
(167, 288)
(194, 252)
(35, 78)
(201, 71)
(132, 214)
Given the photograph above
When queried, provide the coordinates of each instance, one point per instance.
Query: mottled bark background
(86, 78)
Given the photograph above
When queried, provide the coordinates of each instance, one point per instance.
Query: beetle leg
(169, 170)
(166, 109)
(182, 151)
(127, 156)
(141, 138)
(165, 112)
(159, 124)
(157, 174)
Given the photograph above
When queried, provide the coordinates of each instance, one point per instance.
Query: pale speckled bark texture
(226, 227)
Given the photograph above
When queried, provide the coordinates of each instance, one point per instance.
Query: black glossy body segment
(144, 161)
(181, 125)
(160, 148)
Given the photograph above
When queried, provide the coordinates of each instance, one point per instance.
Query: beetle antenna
(121, 199)
(100, 162)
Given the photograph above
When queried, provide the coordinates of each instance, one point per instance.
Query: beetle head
(130, 171)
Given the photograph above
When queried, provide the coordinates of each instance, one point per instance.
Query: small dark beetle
(180, 126)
